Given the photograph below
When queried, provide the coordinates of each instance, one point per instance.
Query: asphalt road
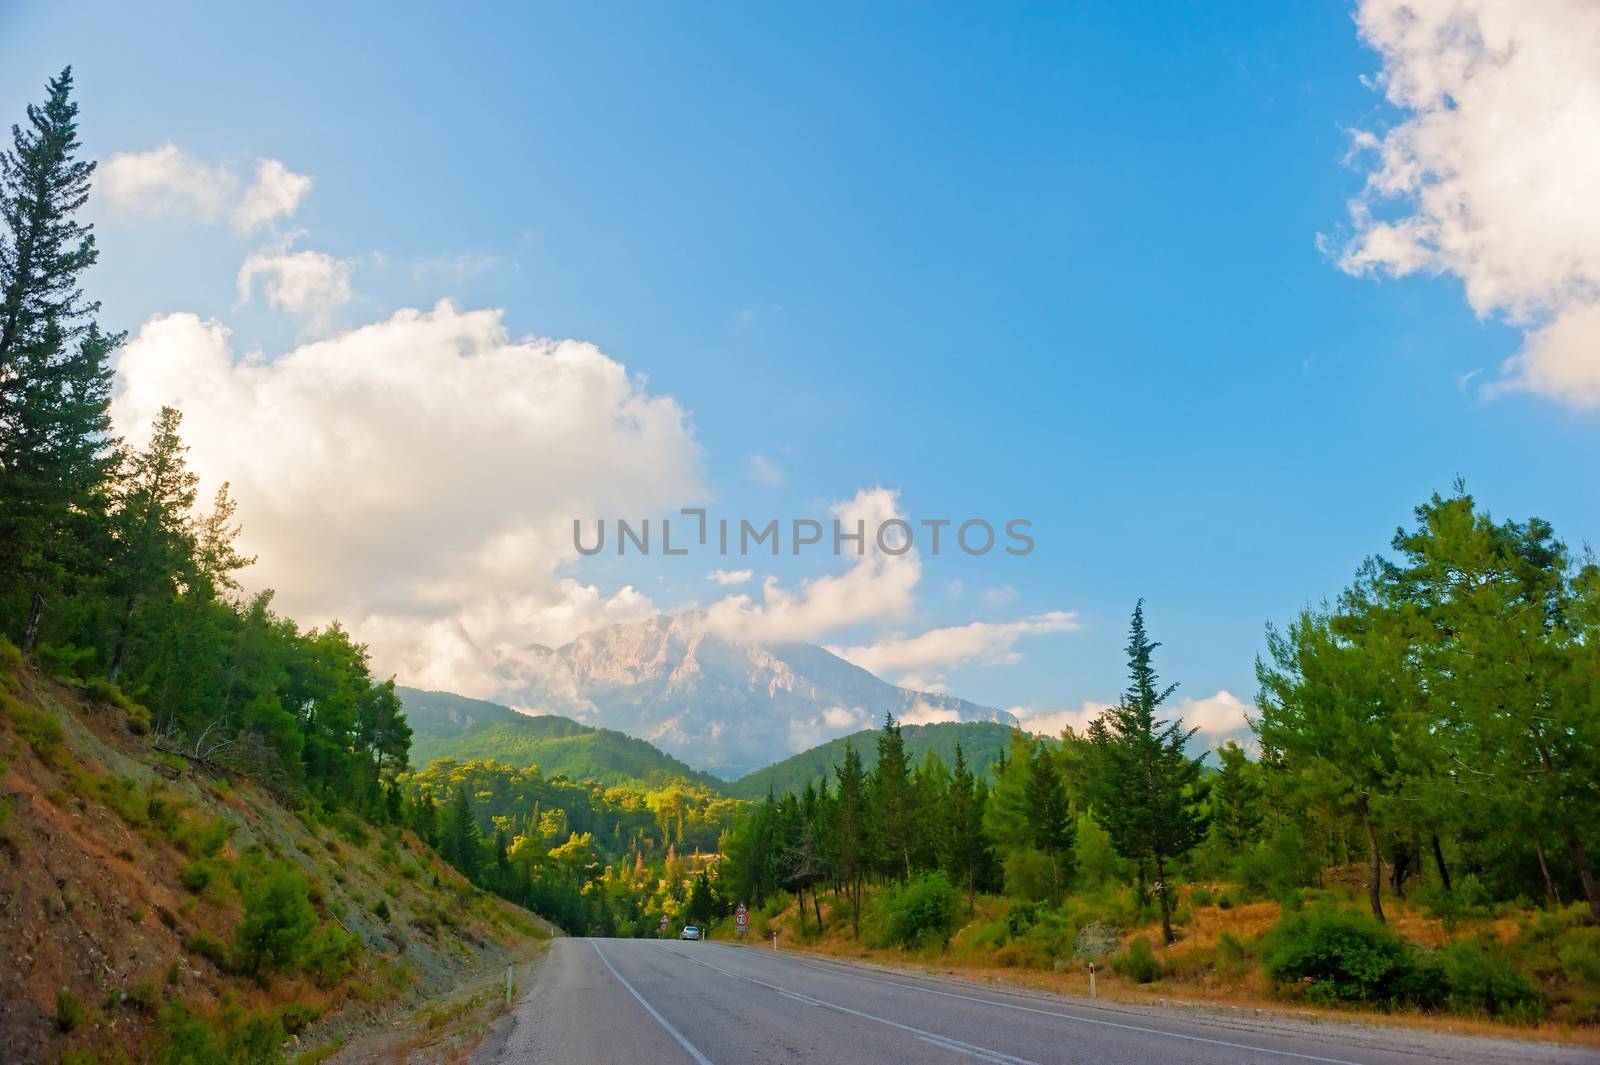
(610, 1001)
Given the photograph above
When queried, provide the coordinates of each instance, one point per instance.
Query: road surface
(618, 1001)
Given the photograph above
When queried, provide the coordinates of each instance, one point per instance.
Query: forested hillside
(202, 832)
(984, 744)
(452, 726)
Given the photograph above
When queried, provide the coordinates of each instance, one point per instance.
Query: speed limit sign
(664, 922)
(741, 917)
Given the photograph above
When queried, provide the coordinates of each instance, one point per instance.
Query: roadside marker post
(1092, 993)
(508, 985)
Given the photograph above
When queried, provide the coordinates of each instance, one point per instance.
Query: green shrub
(921, 912)
(1468, 898)
(1338, 956)
(1138, 962)
(1482, 981)
(278, 919)
(66, 662)
(103, 691)
(202, 837)
(1277, 865)
(10, 658)
(1580, 958)
(181, 1038)
(380, 910)
(69, 1011)
(200, 874)
(331, 955)
(1202, 897)
(209, 947)
(1021, 917)
(294, 1016)
(41, 731)
(146, 995)
(1230, 955)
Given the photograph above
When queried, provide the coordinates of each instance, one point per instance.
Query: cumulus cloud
(1216, 716)
(1490, 175)
(277, 193)
(166, 180)
(312, 284)
(399, 477)
(925, 713)
(877, 587)
(730, 576)
(1048, 722)
(993, 643)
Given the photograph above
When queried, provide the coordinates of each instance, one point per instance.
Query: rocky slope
(121, 870)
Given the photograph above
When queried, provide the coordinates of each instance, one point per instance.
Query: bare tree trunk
(1438, 860)
(1552, 897)
(1591, 889)
(1375, 885)
(816, 904)
(30, 635)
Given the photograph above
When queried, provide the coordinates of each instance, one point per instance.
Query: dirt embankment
(120, 869)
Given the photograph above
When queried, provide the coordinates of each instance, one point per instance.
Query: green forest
(1426, 742)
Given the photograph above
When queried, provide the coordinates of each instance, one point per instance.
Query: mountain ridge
(724, 706)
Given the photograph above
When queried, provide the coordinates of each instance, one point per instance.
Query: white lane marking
(840, 971)
(699, 1058)
(945, 1041)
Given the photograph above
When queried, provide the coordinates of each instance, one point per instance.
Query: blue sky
(1061, 265)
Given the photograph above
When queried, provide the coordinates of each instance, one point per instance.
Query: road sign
(664, 922)
(740, 917)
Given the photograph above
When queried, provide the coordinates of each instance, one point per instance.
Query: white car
(689, 932)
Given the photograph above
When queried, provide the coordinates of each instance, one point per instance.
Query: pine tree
(1147, 790)
(1050, 825)
(154, 529)
(893, 814)
(463, 843)
(966, 845)
(55, 381)
(851, 842)
(1236, 800)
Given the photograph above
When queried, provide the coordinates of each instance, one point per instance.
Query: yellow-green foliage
(10, 659)
(121, 794)
(103, 691)
(41, 730)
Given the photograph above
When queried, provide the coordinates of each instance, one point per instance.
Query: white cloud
(277, 193)
(1493, 172)
(924, 713)
(763, 470)
(730, 576)
(993, 643)
(1045, 722)
(308, 283)
(164, 180)
(877, 587)
(1214, 715)
(398, 477)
